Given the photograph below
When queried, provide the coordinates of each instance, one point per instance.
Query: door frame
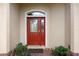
(45, 25)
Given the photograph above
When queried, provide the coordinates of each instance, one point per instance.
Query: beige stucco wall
(14, 16)
(55, 22)
(14, 25)
(57, 25)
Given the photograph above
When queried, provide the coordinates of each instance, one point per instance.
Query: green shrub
(21, 50)
(60, 51)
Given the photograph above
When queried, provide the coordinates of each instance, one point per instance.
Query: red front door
(36, 30)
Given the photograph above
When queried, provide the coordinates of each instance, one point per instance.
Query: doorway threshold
(36, 47)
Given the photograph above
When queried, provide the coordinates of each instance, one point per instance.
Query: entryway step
(36, 50)
(40, 52)
(36, 47)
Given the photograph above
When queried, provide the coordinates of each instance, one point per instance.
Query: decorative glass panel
(42, 25)
(36, 13)
(33, 25)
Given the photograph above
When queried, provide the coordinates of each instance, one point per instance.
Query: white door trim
(45, 28)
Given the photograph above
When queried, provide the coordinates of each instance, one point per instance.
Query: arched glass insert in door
(36, 13)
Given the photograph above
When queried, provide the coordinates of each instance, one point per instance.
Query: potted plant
(60, 51)
(21, 50)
